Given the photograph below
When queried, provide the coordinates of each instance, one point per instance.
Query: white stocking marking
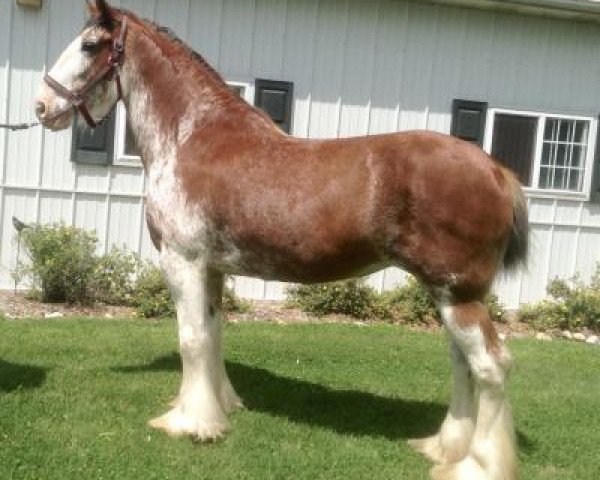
(198, 411)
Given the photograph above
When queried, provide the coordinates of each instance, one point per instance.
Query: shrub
(151, 296)
(544, 315)
(115, 277)
(572, 305)
(495, 308)
(412, 303)
(63, 267)
(232, 303)
(351, 297)
(62, 263)
(407, 303)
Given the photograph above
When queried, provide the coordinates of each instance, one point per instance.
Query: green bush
(232, 303)
(409, 302)
(62, 263)
(496, 310)
(573, 305)
(63, 267)
(115, 277)
(351, 297)
(412, 303)
(151, 296)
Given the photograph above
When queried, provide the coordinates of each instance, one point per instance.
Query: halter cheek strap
(77, 98)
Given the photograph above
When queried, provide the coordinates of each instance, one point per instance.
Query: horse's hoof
(429, 446)
(470, 469)
(232, 404)
(177, 424)
(466, 469)
(229, 399)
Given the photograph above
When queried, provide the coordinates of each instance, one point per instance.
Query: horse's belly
(299, 262)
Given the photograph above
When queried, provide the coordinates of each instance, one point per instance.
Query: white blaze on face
(70, 66)
(71, 70)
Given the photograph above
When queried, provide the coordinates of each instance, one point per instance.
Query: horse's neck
(164, 106)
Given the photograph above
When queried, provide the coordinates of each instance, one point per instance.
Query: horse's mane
(166, 40)
(194, 55)
(197, 60)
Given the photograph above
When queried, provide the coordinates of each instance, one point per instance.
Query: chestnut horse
(229, 193)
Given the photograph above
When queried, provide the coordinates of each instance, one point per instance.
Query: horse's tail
(518, 241)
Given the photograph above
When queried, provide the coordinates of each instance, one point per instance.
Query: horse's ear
(91, 8)
(104, 12)
(100, 11)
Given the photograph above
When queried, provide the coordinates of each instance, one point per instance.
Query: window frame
(121, 159)
(534, 190)
(248, 88)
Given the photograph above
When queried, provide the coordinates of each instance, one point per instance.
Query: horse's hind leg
(452, 442)
(491, 454)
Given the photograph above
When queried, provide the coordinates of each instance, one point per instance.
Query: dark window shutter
(468, 120)
(595, 191)
(275, 98)
(93, 146)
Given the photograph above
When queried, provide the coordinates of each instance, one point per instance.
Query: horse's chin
(61, 122)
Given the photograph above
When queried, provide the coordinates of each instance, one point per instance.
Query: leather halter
(77, 98)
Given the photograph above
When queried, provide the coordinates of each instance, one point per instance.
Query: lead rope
(18, 126)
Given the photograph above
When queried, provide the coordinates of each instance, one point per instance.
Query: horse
(229, 193)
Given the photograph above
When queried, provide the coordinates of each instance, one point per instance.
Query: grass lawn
(324, 402)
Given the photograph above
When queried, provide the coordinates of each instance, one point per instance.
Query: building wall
(358, 67)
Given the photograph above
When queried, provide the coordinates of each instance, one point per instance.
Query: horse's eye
(90, 46)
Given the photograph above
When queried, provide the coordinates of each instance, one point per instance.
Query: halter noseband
(78, 98)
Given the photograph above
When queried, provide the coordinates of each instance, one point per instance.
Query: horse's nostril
(40, 108)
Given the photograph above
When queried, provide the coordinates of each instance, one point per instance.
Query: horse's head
(82, 76)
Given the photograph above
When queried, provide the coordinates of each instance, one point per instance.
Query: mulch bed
(16, 305)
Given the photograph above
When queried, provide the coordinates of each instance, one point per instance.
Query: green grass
(324, 402)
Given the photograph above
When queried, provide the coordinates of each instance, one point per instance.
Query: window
(243, 89)
(126, 151)
(93, 146)
(548, 152)
(513, 143)
(564, 151)
(130, 148)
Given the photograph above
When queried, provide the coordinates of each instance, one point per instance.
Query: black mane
(194, 55)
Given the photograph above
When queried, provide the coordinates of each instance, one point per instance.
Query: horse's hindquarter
(454, 217)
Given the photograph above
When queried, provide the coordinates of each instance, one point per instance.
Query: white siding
(358, 66)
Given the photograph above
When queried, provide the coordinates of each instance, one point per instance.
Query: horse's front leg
(206, 394)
